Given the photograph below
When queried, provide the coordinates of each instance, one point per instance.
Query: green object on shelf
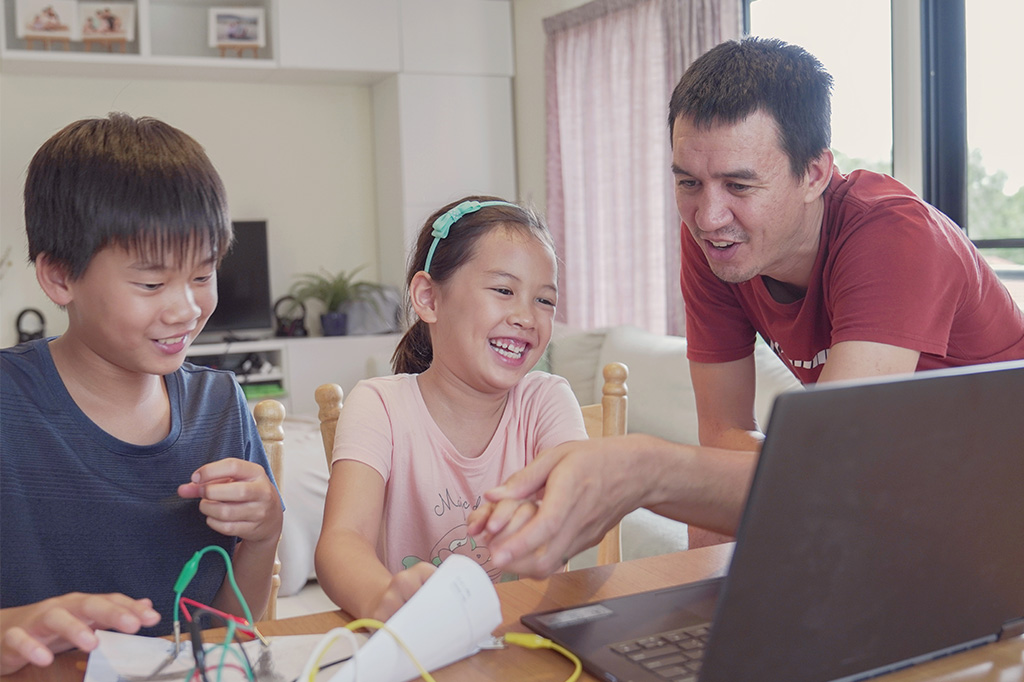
(271, 389)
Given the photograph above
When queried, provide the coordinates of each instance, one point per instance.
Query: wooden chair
(269, 415)
(609, 418)
(329, 397)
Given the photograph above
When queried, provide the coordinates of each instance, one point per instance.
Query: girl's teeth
(508, 349)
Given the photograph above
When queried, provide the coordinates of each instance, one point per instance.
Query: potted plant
(336, 292)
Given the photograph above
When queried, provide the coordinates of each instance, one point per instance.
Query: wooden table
(999, 662)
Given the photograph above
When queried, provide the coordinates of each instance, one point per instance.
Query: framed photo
(237, 26)
(107, 20)
(47, 19)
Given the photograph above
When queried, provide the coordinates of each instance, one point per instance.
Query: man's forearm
(702, 486)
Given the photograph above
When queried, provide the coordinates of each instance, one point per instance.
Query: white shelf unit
(349, 41)
(233, 356)
(302, 364)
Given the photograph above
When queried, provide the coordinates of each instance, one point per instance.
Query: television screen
(243, 284)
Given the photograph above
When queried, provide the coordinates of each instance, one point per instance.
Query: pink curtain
(611, 66)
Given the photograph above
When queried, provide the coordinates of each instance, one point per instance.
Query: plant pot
(334, 324)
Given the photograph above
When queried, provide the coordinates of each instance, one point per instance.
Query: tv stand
(298, 365)
(260, 366)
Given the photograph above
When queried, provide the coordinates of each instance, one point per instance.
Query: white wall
(300, 156)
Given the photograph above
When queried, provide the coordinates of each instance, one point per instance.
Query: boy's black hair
(137, 183)
(738, 77)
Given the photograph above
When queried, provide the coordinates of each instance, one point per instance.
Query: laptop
(884, 527)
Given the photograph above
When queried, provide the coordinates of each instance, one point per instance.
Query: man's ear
(54, 279)
(818, 175)
(423, 291)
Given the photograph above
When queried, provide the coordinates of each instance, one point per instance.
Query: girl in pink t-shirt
(414, 452)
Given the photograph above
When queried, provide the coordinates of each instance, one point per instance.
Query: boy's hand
(237, 498)
(33, 633)
(403, 585)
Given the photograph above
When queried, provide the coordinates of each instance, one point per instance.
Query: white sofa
(661, 403)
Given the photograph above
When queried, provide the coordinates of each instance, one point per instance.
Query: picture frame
(107, 21)
(47, 20)
(235, 27)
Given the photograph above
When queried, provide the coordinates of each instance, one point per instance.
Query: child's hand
(400, 590)
(494, 521)
(237, 498)
(33, 633)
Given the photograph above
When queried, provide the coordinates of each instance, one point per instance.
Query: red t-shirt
(890, 269)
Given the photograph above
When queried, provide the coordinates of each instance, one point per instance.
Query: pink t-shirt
(430, 489)
(890, 269)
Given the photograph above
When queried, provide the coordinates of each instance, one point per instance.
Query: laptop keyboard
(674, 655)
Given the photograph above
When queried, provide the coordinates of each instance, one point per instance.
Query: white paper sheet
(445, 621)
(130, 658)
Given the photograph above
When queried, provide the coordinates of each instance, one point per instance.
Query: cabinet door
(345, 35)
(471, 37)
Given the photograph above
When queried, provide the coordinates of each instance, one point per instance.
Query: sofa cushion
(661, 401)
(574, 355)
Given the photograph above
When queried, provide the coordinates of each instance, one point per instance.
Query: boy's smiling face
(138, 313)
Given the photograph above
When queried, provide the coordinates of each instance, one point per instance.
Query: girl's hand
(400, 590)
(238, 499)
(500, 520)
(33, 633)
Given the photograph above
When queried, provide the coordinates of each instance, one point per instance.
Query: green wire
(188, 572)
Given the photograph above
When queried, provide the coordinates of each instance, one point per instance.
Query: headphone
(290, 326)
(24, 336)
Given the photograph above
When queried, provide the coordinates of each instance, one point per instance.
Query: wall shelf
(325, 41)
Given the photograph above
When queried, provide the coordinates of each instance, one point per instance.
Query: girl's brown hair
(415, 352)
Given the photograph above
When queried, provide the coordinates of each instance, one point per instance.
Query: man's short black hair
(739, 77)
(137, 183)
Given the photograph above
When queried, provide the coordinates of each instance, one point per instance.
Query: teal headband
(443, 224)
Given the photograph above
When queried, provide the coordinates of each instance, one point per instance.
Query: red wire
(246, 630)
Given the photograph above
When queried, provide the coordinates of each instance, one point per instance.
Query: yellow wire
(521, 639)
(530, 641)
(377, 625)
(370, 623)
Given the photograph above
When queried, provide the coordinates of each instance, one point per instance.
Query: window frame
(929, 140)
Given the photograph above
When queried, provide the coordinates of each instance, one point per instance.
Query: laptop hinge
(1011, 628)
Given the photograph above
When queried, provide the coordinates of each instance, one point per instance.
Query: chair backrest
(328, 398)
(269, 415)
(609, 418)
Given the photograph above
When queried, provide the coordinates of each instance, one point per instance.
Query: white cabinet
(290, 369)
(342, 360)
(437, 137)
(443, 127)
(341, 35)
(261, 367)
(457, 37)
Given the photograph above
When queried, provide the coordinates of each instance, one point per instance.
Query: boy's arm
(34, 632)
(347, 565)
(239, 500)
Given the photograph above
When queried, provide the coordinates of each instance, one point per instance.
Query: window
(995, 170)
(968, 159)
(862, 88)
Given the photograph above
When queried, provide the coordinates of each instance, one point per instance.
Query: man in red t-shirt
(844, 276)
